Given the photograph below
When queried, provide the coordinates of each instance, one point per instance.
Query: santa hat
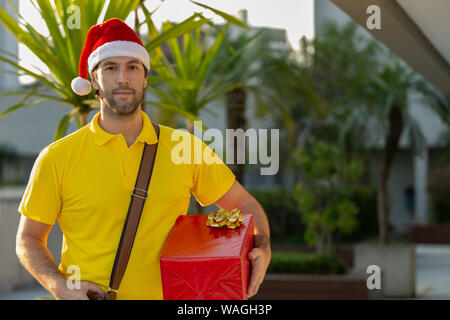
(113, 38)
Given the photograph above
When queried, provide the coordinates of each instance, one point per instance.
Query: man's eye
(133, 67)
(109, 68)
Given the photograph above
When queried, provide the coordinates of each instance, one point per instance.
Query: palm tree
(240, 62)
(60, 51)
(390, 89)
(183, 78)
(314, 94)
(287, 95)
(367, 87)
(338, 85)
(183, 66)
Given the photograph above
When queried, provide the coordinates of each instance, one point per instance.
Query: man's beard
(122, 108)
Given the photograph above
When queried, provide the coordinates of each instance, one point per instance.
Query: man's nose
(122, 77)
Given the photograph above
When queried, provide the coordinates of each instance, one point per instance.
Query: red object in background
(205, 263)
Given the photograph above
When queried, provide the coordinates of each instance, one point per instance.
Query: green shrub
(365, 198)
(322, 196)
(286, 225)
(285, 222)
(305, 263)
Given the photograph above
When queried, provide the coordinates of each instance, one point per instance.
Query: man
(85, 179)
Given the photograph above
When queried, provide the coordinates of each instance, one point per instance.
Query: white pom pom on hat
(81, 86)
(113, 38)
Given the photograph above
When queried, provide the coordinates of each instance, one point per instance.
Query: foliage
(321, 84)
(279, 206)
(315, 93)
(240, 56)
(342, 88)
(365, 199)
(183, 78)
(61, 49)
(305, 263)
(323, 199)
(389, 93)
(286, 225)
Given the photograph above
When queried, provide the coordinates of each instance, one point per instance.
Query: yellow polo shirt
(85, 180)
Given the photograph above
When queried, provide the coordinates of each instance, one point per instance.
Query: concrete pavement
(433, 272)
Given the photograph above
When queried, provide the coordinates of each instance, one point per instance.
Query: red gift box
(199, 262)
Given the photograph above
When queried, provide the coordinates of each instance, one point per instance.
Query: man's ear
(146, 74)
(145, 82)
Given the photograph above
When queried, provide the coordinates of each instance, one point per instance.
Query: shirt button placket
(126, 164)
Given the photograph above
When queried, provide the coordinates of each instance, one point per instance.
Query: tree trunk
(390, 149)
(235, 101)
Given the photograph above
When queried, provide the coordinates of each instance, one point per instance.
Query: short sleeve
(41, 200)
(212, 177)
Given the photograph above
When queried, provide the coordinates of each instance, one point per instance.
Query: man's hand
(260, 257)
(33, 254)
(87, 291)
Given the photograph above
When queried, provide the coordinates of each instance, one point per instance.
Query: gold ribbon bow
(225, 218)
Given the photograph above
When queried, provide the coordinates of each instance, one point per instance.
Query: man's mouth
(123, 92)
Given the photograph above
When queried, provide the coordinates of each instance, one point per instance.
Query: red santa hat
(113, 38)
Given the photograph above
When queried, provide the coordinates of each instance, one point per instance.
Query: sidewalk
(433, 272)
(31, 292)
(432, 277)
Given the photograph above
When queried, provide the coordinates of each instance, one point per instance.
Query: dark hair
(96, 92)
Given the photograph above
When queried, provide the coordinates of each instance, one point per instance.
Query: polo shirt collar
(101, 137)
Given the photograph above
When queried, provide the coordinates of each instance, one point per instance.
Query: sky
(296, 16)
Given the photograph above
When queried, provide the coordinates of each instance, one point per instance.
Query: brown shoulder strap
(138, 197)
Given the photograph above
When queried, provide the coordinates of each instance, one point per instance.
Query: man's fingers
(92, 287)
(254, 254)
(95, 295)
(254, 286)
(259, 258)
(255, 278)
(93, 291)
